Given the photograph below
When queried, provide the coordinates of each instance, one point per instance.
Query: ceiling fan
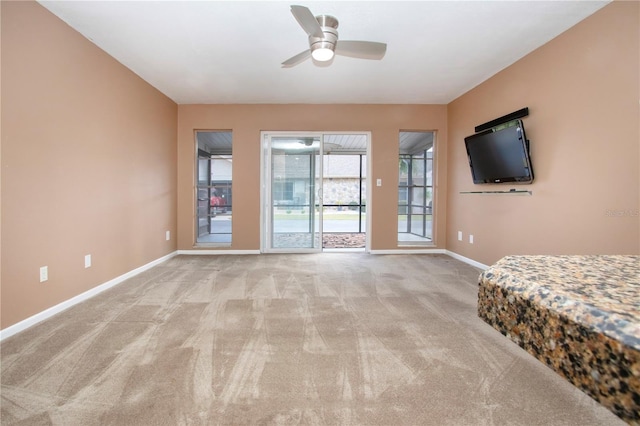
(323, 40)
(326, 146)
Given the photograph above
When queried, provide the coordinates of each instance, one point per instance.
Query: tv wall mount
(504, 119)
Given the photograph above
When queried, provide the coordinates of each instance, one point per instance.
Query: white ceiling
(209, 52)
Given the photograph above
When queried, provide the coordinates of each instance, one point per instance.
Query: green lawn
(296, 215)
(327, 216)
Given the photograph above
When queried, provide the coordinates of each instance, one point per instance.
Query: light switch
(378, 182)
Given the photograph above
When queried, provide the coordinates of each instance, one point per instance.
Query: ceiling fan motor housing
(329, 25)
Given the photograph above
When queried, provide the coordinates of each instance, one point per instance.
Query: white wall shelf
(510, 191)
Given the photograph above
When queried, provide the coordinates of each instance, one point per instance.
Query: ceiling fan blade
(295, 60)
(361, 49)
(307, 21)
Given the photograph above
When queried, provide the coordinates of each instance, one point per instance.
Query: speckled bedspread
(578, 314)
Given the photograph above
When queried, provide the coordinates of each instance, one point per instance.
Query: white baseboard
(434, 251)
(410, 251)
(467, 260)
(204, 251)
(47, 313)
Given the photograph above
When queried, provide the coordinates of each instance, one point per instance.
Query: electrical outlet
(44, 273)
(470, 238)
(459, 235)
(87, 261)
(167, 235)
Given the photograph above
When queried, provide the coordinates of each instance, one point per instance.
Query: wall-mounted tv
(500, 154)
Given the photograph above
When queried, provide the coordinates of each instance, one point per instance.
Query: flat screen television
(500, 155)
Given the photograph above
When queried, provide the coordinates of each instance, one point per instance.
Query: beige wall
(88, 164)
(246, 121)
(582, 91)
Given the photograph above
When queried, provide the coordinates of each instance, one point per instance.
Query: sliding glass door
(292, 193)
(296, 168)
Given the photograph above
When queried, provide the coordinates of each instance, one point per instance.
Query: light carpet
(330, 338)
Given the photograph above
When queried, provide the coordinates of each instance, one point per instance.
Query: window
(214, 187)
(415, 188)
(283, 191)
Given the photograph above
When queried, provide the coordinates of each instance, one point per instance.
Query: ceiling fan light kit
(323, 40)
(322, 54)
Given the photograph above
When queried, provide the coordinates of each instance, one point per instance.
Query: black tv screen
(500, 154)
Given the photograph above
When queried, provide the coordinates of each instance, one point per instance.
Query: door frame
(265, 187)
